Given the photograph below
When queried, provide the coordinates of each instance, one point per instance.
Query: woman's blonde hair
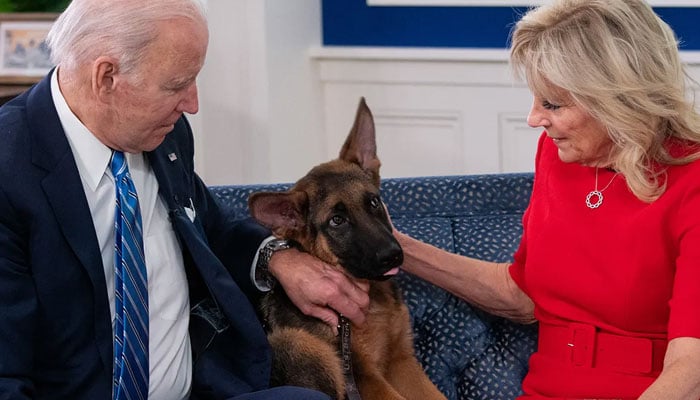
(619, 61)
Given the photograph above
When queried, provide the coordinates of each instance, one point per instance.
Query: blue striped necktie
(131, 290)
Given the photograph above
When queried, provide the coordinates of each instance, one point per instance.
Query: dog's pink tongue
(392, 272)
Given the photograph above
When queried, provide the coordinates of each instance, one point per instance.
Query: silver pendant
(598, 195)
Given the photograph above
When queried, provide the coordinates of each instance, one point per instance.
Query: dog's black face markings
(363, 243)
(355, 227)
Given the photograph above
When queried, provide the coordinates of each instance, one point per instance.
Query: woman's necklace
(597, 195)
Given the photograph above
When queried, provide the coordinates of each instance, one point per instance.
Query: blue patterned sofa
(467, 353)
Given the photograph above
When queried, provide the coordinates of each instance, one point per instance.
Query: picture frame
(24, 56)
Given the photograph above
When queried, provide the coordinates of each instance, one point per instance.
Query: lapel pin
(172, 156)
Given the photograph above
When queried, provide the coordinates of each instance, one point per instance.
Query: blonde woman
(609, 262)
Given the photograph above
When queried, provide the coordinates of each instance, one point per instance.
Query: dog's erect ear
(360, 146)
(282, 212)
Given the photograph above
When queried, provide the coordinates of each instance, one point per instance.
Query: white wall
(258, 91)
(274, 102)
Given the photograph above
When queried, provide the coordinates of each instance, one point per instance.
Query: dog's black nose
(390, 256)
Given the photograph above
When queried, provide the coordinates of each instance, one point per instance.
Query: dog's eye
(337, 220)
(374, 202)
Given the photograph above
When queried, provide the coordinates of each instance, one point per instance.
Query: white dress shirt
(170, 356)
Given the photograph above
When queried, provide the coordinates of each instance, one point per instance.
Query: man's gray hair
(122, 29)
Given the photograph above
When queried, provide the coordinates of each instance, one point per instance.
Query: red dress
(627, 270)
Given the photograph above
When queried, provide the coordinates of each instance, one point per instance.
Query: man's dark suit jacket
(55, 328)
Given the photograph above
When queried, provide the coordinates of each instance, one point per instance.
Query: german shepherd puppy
(336, 214)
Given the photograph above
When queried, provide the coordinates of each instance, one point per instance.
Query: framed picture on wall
(24, 56)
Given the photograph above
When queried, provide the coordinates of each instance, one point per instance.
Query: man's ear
(104, 77)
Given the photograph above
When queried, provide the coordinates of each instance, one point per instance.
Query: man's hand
(318, 289)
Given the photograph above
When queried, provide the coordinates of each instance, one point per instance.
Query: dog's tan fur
(305, 350)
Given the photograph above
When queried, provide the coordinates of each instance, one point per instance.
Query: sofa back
(466, 352)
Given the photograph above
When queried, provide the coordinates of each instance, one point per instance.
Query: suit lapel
(177, 186)
(64, 191)
(177, 189)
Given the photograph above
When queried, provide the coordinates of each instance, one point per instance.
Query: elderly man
(148, 296)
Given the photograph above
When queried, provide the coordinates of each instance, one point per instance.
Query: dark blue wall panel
(354, 23)
(684, 21)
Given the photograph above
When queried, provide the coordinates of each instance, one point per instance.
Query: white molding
(407, 53)
(691, 57)
(432, 54)
(514, 3)
(438, 111)
(517, 142)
